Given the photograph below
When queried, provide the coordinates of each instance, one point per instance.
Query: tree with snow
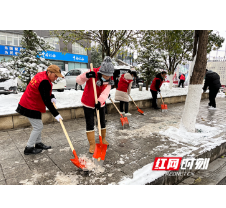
(176, 46)
(194, 95)
(29, 60)
(149, 58)
(96, 56)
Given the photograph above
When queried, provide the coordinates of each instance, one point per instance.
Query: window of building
(10, 39)
(54, 42)
(78, 49)
(60, 64)
(73, 65)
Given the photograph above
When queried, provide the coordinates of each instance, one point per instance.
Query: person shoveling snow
(155, 88)
(37, 96)
(104, 80)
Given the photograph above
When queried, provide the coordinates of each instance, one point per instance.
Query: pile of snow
(203, 135)
(143, 176)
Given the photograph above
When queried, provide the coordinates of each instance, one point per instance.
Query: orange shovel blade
(100, 150)
(140, 111)
(164, 107)
(76, 162)
(125, 122)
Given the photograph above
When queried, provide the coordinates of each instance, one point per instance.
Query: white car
(71, 79)
(60, 83)
(7, 86)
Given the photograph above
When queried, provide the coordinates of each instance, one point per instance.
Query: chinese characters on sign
(10, 50)
(174, 163)
(167, 163)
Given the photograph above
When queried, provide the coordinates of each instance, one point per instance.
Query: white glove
(53, 100)
(58, 118)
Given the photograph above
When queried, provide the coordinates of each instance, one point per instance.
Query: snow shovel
(124, 120)
(138, 109)
(163, 106)
(75, 161)
(100, 149)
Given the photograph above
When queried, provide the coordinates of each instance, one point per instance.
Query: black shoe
(157, 108)
(31, 150)
(42, 146)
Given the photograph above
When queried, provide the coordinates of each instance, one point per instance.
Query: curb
(213, 154)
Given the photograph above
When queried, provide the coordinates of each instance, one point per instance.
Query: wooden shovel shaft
(116, 107)
(161, 98)
(96, 101)
(133, 101)
(65, 132)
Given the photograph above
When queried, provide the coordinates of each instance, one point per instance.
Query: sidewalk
(129, 150)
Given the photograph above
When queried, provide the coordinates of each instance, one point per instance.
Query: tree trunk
(193, 99)
(147, 82)
(171, 81)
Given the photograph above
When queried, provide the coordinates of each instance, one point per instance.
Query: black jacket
(44, 89)
(212, 80)
(157, 83)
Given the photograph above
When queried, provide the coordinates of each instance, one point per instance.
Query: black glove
(109, 96)
(91, 75)
(159, 90)
(97, 106)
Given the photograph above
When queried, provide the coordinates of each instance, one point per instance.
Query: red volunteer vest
(123, 84)
(182, 77)
(31, 99)
(152, 87)
(88, 94)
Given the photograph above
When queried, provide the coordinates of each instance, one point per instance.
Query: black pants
(181, 83)
(126, 106)
(154, 98)
(89, 116)
(212, 96)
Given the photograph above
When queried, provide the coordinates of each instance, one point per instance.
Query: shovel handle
(96, 101)
(65, 132)
(116, 107)
(161, 98)
(133, 101)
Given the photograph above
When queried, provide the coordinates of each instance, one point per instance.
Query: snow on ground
(221, 95)
(72, 98)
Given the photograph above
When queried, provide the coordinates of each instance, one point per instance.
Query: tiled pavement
(129, 149)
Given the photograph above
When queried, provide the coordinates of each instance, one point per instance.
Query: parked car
(71, 79)
(60, 83)
(8, 86)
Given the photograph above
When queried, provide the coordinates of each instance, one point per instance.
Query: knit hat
(107, 68)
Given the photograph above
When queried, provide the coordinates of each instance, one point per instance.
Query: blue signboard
(9, 50)
(12, 51)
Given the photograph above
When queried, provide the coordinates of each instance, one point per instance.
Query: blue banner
(13, 50)
(9, 50)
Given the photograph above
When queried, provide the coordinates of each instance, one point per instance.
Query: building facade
(218, 66)
(76, 57)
